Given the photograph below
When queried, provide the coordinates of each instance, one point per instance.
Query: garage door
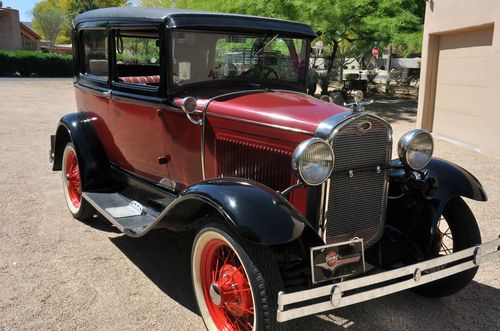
(461, 86)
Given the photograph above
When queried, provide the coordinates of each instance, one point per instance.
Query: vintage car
(295, 202)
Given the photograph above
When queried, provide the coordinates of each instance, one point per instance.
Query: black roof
(196, 19)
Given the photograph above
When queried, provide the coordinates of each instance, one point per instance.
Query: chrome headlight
(312, 161)
(415, 148)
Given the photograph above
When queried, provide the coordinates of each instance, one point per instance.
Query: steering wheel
(261, 72)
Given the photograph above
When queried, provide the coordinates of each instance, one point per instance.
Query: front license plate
(337, 260)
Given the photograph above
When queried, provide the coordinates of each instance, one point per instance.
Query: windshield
(205, 56)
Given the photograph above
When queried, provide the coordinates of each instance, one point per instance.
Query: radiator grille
(357, 191)
(264, 164)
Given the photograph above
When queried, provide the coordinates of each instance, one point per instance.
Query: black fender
(92, 160)
(453, 181)
(257, 213)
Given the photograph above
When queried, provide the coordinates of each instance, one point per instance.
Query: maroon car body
(196, 121)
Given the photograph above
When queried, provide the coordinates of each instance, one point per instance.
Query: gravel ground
(58, 273)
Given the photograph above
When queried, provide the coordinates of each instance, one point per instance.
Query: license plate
(337, 260)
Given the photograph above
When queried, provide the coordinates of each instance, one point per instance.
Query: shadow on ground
(164, 257)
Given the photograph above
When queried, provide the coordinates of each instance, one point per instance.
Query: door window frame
(127, 89)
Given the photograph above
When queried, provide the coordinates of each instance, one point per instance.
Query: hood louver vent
(264, 164)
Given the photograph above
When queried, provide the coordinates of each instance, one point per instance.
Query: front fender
(92, 160)
(259, 214)
(455, 181)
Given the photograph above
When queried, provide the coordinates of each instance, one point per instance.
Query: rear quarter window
(95, 54)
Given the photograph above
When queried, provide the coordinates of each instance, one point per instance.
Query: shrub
(371, 75)
(324, 82)
(35, 63)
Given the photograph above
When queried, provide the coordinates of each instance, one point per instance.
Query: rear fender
(92, 160)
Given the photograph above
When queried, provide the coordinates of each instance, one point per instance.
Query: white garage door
(461, 87)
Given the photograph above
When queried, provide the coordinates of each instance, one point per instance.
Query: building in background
(15, 35)
(459, 97)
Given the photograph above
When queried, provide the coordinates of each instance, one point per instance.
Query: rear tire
(72, 185)
(236, 283)
(464, 234)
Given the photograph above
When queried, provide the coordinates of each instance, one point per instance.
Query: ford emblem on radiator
(364, 126)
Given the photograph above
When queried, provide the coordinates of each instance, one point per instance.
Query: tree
(75, 7)
(359, 22)
(49, 21)
(69, 9)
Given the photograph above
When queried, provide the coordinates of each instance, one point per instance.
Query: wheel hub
(215, 294)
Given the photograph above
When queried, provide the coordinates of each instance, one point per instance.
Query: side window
(95, 53)
(137, 55)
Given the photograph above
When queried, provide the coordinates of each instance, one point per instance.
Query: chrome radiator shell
(355, 196)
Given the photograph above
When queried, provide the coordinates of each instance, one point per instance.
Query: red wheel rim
(226, 288)
(72, 174)
(445, 237)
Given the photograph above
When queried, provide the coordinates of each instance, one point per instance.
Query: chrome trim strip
(325, 128)
(323, 219)
(274, 126)
(420, 273)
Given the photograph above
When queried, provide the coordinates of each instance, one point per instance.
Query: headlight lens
(415, 148)
(312, 161)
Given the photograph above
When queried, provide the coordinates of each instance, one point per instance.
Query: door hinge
(164, 159)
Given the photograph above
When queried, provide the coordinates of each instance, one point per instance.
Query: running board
(129, 216)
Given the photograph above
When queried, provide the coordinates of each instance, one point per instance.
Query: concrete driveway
(58, 273)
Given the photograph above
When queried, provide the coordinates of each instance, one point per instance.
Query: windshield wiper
(263, 47)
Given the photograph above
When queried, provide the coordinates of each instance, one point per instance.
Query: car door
(135, 106)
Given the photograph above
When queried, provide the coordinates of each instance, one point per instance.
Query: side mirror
(188, 106)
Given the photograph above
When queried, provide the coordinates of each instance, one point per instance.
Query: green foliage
(361, 24)
(35, 63)
(69, 9)
(48, 19)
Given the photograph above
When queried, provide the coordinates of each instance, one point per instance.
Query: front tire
(457, 230)
(72, 185)
(236, 283)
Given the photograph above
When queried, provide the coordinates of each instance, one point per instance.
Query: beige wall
(460, 78)
(10, 30)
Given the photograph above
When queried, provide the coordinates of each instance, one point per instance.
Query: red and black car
(197, 121)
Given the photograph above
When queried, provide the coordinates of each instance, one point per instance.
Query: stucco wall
(456, 18)
(10, 30)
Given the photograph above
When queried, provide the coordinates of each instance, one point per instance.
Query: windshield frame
(250, 82)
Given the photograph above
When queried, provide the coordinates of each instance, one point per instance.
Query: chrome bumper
(336, 295)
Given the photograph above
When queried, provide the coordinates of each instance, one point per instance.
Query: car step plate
(134, 208)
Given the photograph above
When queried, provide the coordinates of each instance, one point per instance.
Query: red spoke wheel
(72, 185)
(236, 284)
(456, 230)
